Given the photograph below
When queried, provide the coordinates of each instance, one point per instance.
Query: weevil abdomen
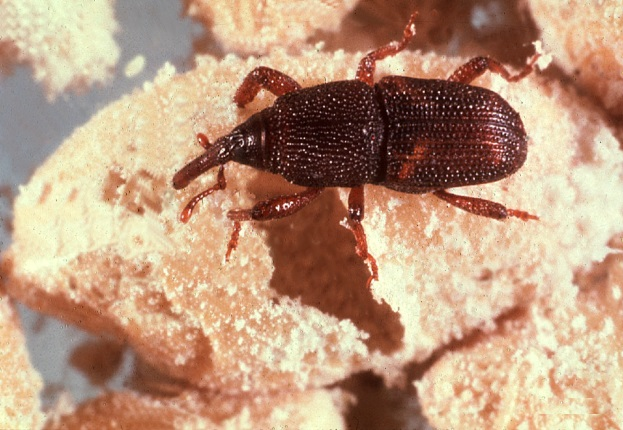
(443, 134)
(327, 135)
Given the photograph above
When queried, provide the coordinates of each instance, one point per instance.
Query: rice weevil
(410, 135)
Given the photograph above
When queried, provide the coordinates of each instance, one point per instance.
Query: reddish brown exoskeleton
(410, 135)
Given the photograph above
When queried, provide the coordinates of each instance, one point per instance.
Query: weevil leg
(272, 80)
(367, 65)
(221, 183)
(478, 65)
(275, 208)
(483, 207)
(355, 215)
(203, 140)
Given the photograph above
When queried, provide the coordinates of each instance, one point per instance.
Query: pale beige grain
(586, 39)
(98, 242)
(252, 27)
(20, 383)
(549, 366)
(68, 44)
(315, 409)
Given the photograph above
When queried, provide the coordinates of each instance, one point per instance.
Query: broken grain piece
(315, 409)
(69, 45)
(251, 27)
(98, 242)
(586, 39)
(20, 383)
(552, 365)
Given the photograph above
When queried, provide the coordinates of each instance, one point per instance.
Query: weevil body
(411, 135)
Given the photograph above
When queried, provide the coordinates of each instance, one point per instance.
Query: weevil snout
(199, 165)
(223, 150)
(243, 145)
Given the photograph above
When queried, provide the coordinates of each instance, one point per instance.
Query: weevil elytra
(410, 135)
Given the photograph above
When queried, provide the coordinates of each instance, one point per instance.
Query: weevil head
(243, 145)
